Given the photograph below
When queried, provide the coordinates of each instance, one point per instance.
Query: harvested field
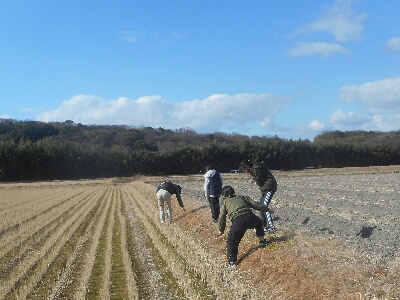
(337, 238)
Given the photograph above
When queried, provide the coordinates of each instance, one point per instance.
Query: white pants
(164, 196)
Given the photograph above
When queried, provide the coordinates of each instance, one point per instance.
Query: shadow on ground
(276, 239)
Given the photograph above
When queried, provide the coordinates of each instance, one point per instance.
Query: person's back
(212, 191)
(213, 183)
(263, 177)
(239, 210)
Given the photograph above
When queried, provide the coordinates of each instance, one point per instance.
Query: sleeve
(178, 196)
(222, 218)
(256, 205)
(206, 185)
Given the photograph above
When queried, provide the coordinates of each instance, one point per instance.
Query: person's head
(228, 191)
(179, 188)
(209, 167)
(245, 166)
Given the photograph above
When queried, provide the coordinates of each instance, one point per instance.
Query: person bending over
(164, 191)
(239, 211)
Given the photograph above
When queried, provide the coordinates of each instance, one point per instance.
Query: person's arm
(206, 185)
(178, 197)
(256, 205)
(222, 219)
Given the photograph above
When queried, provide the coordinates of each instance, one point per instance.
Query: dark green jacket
(237, 206)
(263, 177)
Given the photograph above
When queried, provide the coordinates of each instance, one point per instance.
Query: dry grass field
(102, 239)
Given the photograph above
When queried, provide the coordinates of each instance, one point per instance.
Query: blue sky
(288, 68)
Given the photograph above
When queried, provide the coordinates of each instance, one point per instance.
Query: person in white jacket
(212, 191)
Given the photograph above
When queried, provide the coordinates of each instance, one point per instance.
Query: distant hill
(32, 150)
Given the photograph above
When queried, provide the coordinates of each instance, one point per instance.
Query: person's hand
(220, 233)
(184, 209)
(271, 210)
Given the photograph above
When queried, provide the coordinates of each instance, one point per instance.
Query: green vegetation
(31, 150)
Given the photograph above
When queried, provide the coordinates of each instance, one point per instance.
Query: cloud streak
(338, 20)
(320, 48)
(218, 112)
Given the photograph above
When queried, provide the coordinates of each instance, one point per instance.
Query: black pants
(238, 228)
(214, 206)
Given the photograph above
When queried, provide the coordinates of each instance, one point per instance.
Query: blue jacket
(212, 184)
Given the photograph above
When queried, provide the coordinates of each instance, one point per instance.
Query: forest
(36, 151)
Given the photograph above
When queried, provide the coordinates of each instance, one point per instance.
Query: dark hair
(209, 167)
(228, 191)
(179, 187)
(244, 164)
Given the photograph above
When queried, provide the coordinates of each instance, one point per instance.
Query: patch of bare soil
(337, 236)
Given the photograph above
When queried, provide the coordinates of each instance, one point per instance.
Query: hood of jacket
(210, 173)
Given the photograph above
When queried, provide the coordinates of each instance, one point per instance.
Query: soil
(360, 206)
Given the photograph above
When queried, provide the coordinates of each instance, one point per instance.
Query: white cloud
(339, 20)
(342, 120)
(130, 36)
(211, 114)
(378, 97)
(346, 121)
(316, 125)
(5, 117)
(320, 48)
(393, 45)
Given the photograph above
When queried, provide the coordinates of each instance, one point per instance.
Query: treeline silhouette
(31, 150)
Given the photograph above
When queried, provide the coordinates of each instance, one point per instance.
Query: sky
(292, 69)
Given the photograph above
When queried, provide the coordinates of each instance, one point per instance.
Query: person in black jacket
(266, 183)
(164, 192)
(212, 191)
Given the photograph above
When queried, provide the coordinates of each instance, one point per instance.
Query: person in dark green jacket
(239, 210)
(266, 183)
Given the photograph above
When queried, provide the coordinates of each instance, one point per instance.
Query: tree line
(32, 150)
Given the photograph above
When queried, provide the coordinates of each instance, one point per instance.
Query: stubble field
(337, 238)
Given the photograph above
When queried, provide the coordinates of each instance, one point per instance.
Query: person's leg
(266, 216)
(214, 206)
(160, 201)
(167, 199)
(217, 207)
(256, 223)
(235, 235)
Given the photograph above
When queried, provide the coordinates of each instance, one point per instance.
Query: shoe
(269, 230)
(215, 221)
(263, 243)
(231, 264)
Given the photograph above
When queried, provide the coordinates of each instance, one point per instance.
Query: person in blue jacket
(212, 191)
(164, 191)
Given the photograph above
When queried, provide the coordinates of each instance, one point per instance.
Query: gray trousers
(164, 197)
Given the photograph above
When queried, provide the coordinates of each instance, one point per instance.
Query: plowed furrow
(27, 275)
(190, 281)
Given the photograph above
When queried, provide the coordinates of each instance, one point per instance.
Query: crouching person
(164, 192)
(239, 211)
